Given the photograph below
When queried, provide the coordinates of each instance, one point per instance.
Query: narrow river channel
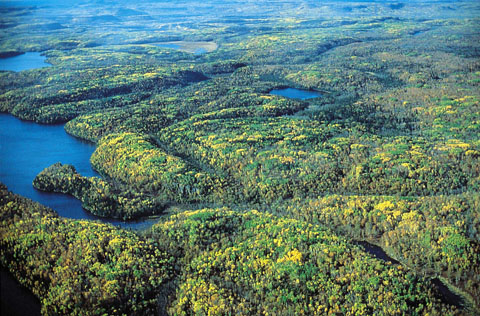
(446, 295)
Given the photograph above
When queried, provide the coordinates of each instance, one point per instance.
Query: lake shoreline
(23, 61)
(58, 146)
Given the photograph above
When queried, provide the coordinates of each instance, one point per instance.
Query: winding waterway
(446, 295)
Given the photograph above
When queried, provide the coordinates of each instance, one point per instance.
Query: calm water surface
(197, 51)
(27, 148)
(293, 93)
(23, 62)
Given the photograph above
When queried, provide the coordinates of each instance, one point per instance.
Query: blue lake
(27, 148)
(293, 93)
(23, 62)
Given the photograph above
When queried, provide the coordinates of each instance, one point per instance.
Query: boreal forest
(247, 157)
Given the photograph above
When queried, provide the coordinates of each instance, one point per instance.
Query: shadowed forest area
(276, 142)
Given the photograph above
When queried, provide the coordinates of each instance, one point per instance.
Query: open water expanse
(293, 93)
(23, 62)
(27, 148)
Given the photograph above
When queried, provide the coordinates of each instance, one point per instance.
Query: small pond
(23, 62)
(293, 93)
